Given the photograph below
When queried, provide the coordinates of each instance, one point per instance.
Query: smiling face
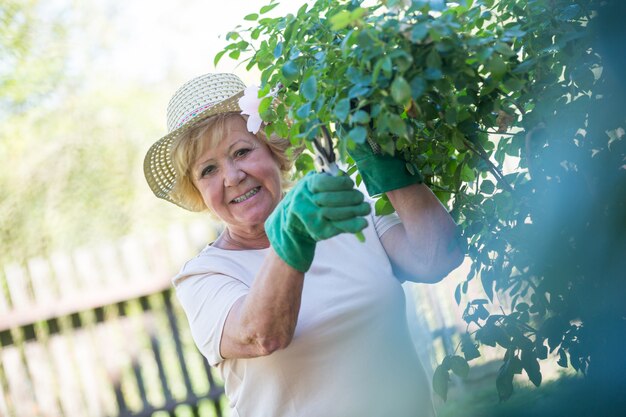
(238, 178)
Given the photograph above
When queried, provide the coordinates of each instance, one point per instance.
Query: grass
(562, 393)
(478, 397)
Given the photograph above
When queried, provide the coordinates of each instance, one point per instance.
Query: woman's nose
(233, 175)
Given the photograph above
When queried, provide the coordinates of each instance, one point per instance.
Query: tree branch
(492, 168)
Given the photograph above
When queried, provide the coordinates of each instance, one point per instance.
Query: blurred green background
(83, 90)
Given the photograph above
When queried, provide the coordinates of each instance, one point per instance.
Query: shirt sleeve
(383, 223)
(207, 299)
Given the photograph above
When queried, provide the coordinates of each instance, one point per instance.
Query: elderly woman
(300, 317)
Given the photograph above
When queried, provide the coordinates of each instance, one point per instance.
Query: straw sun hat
(197, 99)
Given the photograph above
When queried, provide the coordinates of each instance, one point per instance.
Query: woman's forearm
(431, 233)
(265, 319)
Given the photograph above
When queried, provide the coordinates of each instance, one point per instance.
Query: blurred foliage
(72, 138)
(566, 395)
(477, 398)
(70, 174)
(514, 112)
(32, 53)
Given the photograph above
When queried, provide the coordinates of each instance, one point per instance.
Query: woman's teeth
(246, 195)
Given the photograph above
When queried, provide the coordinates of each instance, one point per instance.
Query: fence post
(17, 283)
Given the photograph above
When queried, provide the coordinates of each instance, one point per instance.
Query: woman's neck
(233, 240)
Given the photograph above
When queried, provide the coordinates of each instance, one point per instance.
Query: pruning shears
(325, 155)
(325, 160)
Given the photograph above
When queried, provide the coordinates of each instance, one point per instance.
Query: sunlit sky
(151, 40)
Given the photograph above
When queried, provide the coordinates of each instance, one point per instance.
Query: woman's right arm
(318, 207)
(265, 319)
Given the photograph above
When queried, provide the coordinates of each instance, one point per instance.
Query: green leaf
(268, 8)
(401, 90)
(525, 66)
(458, 140)
(305, 163)
(433, 60)
(357, 13)
(255, 33)
(340, 20)
(264, 90)
(531, 366)
(497, 67)
(278, 50)
(302, 10)
(458, 365)
(441, 377)
(304, 111)
(378, 67)
(358, 91)
(418, 87)
(342, 108)
(309, 88)
(358, 179)
(251, 17)
(218, 56)
(484, 54)
(515, 365)
(398, 127)
(281, 127)
(387, 66)
(490, 334)
(467, 174)
(457, 294)
(232, 36)
(383, 207)
(503, 49)
(437, 5)
(433, 74)
(450, 116)
(269, 129)
(419, 32)
(469, 348)
(358, 134)
(487, 187)
(290, 71)
(265, 104)
(360, 117)
(542, 350)
(521, 307)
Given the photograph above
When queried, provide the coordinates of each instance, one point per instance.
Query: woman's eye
(207, 170)
(241, 152)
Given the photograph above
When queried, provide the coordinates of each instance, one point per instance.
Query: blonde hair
(188, 146)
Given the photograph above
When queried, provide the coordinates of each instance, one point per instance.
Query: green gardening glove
(381, 172)
(319, 207)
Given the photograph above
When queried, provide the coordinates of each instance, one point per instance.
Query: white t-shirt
(351, 354)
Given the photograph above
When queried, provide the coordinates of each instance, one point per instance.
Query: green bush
(513, 111)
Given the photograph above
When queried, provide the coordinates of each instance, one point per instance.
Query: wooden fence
(98, 333)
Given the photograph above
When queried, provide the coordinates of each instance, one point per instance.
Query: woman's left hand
(382, 172)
